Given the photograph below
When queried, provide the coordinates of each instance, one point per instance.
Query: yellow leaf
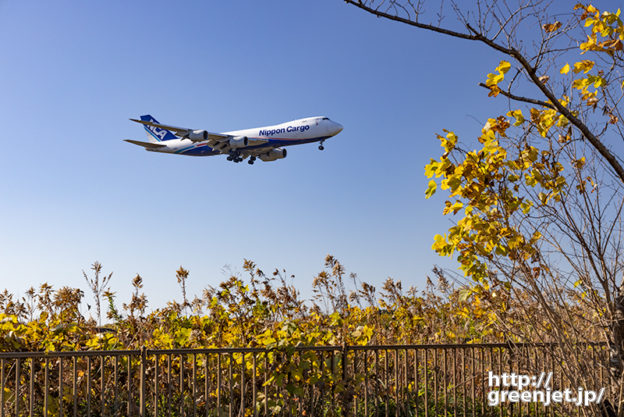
(439, 243)
(430, 168)
(493, 79)
(449, 143)
(578, 163)
(517, 114)
(585, 65)
(589, 45)
(503, 67)
(565, 69)
(494, 90)
(431, 189)
(454, 208)
(551, 27)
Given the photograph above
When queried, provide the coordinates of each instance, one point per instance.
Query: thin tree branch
(520, 98)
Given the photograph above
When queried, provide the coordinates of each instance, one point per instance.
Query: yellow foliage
(494, 79)
(584, 65)
(565, 69)
(516, 114)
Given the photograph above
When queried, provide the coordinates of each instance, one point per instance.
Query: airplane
(265, 143)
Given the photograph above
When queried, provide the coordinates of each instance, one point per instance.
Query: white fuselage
(312, 129)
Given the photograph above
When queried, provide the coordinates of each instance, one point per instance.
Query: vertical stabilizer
(156, 134)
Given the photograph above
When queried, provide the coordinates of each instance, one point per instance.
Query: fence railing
(427, 380)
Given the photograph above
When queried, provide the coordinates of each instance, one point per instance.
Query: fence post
(17, 385)
(142, 382)
(510, 362)
(1, 387)
(344, 394)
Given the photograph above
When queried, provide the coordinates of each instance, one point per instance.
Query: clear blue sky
(71, 192)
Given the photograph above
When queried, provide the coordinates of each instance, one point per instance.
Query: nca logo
(161, 133)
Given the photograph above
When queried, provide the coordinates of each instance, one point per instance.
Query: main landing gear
(235, 157)
(251, 160)
(321, 147)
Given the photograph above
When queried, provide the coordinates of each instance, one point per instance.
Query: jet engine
(197, 135)
(273, 154)
(239, 142)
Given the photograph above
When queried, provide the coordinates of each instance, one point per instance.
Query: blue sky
(71, 192)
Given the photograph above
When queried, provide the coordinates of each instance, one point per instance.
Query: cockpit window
(325, 118)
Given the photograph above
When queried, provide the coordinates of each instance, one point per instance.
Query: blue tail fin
(156, 134)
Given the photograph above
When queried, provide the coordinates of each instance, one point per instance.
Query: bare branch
(520, 98)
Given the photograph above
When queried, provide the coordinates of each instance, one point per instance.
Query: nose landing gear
(321, 147)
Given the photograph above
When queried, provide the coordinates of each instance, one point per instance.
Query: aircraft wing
(218, 141)
(186, 133)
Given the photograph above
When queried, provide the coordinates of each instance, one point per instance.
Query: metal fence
(427, 380)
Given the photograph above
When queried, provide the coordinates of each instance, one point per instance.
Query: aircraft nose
(337, 127)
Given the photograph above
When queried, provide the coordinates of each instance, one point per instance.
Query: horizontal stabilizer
(146, 145)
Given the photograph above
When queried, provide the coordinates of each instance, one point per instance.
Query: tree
(538, 204)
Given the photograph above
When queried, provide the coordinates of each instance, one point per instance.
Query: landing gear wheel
(229, 158)
(321, 147)
(250, 162)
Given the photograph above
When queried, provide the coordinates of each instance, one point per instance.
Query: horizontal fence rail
(388, 380)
